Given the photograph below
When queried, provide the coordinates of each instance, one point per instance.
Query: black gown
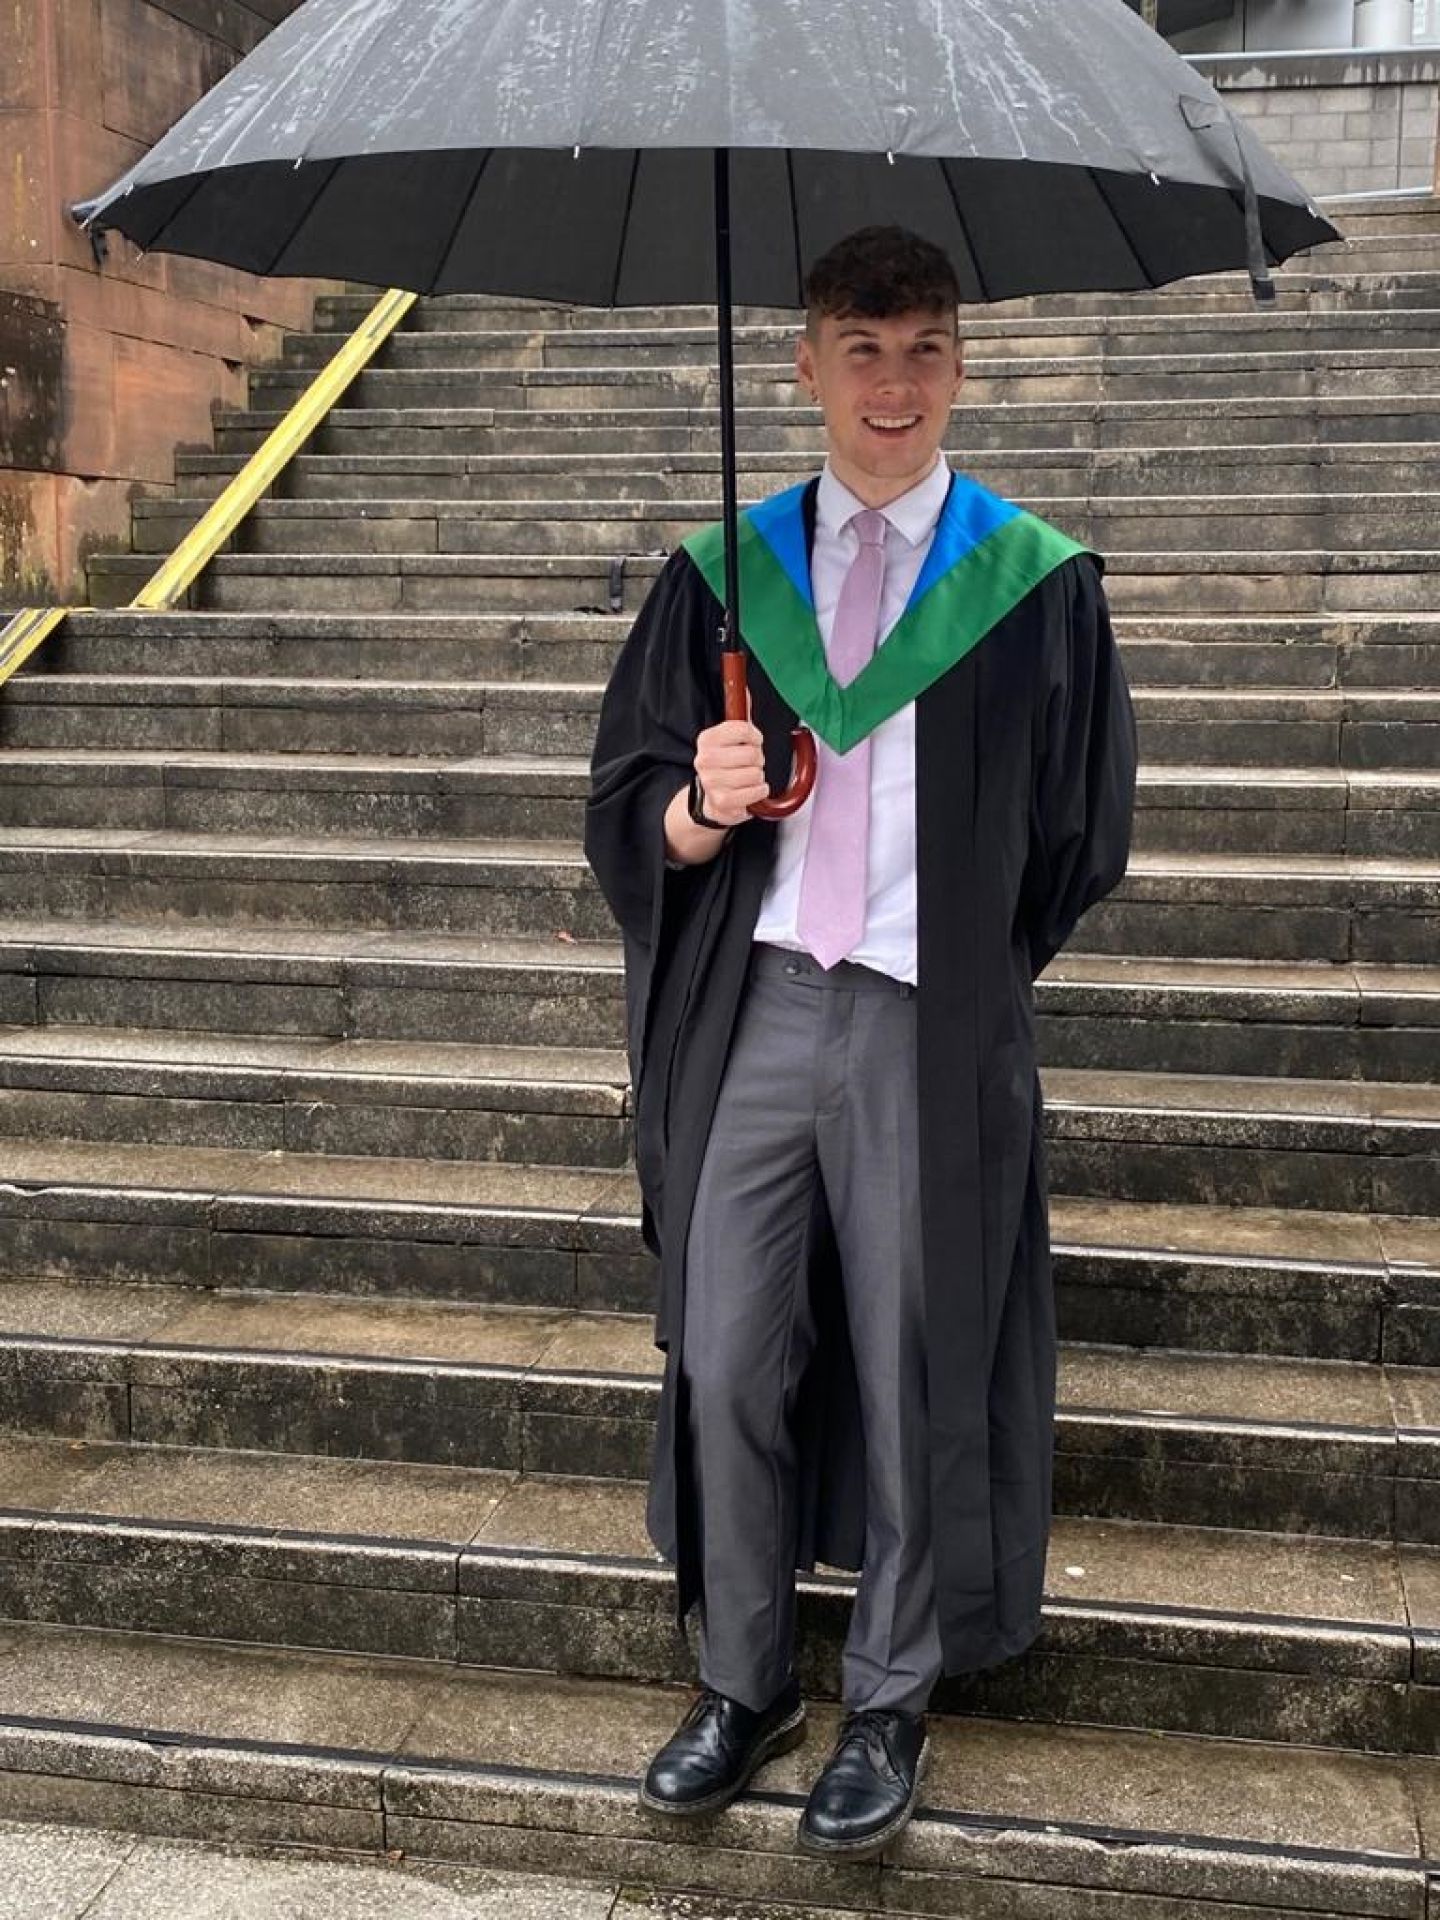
(1025, 775)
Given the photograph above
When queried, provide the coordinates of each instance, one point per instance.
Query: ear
(804, 361)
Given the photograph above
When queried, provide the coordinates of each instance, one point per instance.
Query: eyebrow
(870, 333)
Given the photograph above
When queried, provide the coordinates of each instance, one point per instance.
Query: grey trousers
(820, 1085)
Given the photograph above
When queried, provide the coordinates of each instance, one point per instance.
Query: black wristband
(697, 808)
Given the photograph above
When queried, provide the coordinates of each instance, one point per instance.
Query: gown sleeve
(664, 691)
(1083, 794)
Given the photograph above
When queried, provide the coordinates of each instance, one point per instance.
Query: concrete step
(594, 340)
(992, 379)
(1114, 526)
(1309, 1284)
(1215, 580)
(546, 1106)
(112, 1875)
(1187, 1439)
(1364, 269)
(1055, 473)
(1248, 809)
(429, 718)
(1324, 728)
(1194, 1630)
(1313, 1021)
(366, 1754)
(1245, 1140)
(1019, 427)
(1220, 651)
(1308, 907)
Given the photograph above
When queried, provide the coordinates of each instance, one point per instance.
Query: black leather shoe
(868, 1787)
(716, 1748)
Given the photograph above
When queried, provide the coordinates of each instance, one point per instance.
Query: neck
(875, 490)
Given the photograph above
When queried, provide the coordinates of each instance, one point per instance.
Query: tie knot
(870, 527)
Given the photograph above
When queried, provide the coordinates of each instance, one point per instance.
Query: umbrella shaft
(724, 314)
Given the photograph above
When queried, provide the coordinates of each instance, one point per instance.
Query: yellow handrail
(22, 635)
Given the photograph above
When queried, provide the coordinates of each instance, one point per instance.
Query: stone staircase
(325, 1354)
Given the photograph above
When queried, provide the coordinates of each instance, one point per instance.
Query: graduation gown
(1025, 770)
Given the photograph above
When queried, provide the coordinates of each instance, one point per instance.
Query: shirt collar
(914, 516)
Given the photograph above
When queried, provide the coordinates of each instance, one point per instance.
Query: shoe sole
(873, 1843)
(784, 1739)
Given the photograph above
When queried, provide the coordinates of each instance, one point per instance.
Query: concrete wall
(1280, 26)
(101, 373)
(1344, 122)
(1274, 25)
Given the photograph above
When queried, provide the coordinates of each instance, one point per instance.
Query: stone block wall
(102, 371)
(1348, 122)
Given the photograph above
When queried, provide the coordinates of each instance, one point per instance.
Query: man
(838, 1114)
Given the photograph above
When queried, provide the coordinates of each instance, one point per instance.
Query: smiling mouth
(893, 423)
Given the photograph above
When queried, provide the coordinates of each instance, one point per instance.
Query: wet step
(1165, 1137)
(1310, 282)
(1198, 1630)
(365, 1753)
(1320, 1021)
(1340, 1448)
(1329, 727)
(1310, 1284)
(1228, 651)
(1218, 581)
(1305, 907)
(115, 1876)
(411, 797)
(1113, 526)
(1057, 473)
(1248, 810)
(420, 1100)
(422, 718)
(1019, 426)
(991, 379)
(428, 338)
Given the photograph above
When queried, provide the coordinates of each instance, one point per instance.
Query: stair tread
(1334, 1241)
(630, 507)
(116, 942)
(566, 854)
(1136, 1565)
(1316, 1397)
(357, 946)
(1344, 1102)
(216, 765)
(1301, 1806)
(420, 1059)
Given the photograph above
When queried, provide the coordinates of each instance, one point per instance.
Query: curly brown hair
(879, 272)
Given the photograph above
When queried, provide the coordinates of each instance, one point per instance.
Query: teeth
(896, 425)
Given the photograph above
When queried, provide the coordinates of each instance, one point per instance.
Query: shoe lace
(708, 1700)
(865, 1724)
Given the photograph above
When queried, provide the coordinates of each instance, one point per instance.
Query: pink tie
(834, 887)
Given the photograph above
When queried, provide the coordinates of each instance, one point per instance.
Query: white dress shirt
(888, 943)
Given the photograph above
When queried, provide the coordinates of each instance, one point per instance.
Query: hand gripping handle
(802, 778)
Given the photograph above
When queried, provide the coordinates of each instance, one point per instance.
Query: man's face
(886, 387)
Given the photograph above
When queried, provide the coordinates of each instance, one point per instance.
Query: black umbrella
(571, 150)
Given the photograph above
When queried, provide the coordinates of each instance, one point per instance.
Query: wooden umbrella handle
(802, 777)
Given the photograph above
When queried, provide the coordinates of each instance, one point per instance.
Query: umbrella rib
(200, 180)
(795, 223)
(288, 240)
(945, 175)
(624, 230)
(1124, 232)
(437, 272)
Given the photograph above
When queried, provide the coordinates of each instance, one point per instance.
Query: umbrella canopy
(563, 149)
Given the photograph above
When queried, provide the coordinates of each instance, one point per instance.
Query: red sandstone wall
(102, 372)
